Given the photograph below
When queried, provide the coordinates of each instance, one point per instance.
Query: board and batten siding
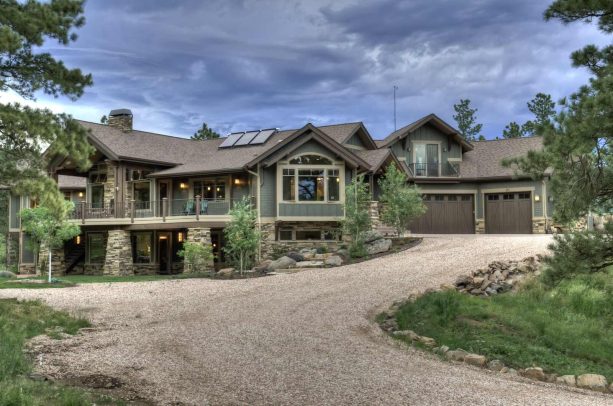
(356, 141)
(424, 134)
(268, 192)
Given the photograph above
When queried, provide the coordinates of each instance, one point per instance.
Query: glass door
(432, 159)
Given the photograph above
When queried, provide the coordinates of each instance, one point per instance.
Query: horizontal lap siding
(310, 210)
(268, 192)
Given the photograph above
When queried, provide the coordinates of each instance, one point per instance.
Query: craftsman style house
(148, 193)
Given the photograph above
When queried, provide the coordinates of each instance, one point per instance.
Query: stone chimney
(121, 119)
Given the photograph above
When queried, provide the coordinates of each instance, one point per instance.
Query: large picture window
(142, 248)
(310, 184)
(96, 248)
(210, 189)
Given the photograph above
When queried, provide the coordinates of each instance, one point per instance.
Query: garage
(508, 213)
(447, 214)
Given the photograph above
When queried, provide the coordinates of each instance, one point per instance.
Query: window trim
(413, 155)
(336, 165)
(294, 230)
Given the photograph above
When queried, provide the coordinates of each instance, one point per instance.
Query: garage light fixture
(537, 198)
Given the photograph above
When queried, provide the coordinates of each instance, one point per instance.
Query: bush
(196, 255)
(357, 250)
(579, 253)
(7, 275)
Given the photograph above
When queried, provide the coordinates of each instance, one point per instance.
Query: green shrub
(579, 253)
(196, 255)
(357, 250)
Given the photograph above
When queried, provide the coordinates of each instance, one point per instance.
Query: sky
(250, 64)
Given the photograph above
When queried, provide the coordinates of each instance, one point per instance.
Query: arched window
(310, 159)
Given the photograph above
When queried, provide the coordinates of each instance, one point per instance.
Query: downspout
(257, 202)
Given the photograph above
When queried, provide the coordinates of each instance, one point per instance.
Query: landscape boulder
(296, 256)
(495, 365)
(593, 382)
(427, 341)
(7, 275)
(371, 236)
(569, 380)
(534, 373)
(334, 260)
(378, 246)
(262, 266)
(475, 359)
(309, 264)
(225, 272)
(456, 355)
(281, 263)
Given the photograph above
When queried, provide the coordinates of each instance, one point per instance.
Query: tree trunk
(49, 264)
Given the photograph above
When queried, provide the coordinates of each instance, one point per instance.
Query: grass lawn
(567, 329)
(20, 321)
(72, 280)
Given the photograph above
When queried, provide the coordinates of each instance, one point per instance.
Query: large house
(148, 193)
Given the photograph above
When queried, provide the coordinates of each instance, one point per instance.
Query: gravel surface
(302, 338)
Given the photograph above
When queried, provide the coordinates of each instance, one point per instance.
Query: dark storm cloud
(255, 64)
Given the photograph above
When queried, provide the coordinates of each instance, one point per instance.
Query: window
(426, 159)
(286, 235)
(331, 235)
(289, 186)
(142, 244)
(466, 198)
(508, 196)
(426, 198)
(439, 198)
(304, 235)
(27, 250)
(210, 189)
(97, 196)
(334, 183)
(310, 160)
(96, 248)
(524, 195)
(452, 198)
(15, 207)
(492, 197)
(311, 185)
(142, 192)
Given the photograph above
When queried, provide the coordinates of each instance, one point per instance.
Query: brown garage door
(447, 214)
(508, 213)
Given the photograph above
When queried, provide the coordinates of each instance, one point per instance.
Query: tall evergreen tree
(25, 132)
(466, 119)
(578, 141)
(513, 130)
(205, 133)
(543, 108)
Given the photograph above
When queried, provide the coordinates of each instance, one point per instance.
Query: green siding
(268, 192)
(313, 147)
(428, 133)
(310, 210)
(355, 140)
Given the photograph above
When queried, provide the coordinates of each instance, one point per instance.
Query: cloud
(270, 63)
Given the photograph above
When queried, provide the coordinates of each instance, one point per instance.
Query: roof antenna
(395, 88)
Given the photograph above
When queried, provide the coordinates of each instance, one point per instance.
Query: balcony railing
(153, 209)
(447, 169)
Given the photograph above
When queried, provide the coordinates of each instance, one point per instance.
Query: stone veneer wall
(57, 261)
(118, 260)
(109, 185)
(12, 249)
(270, 245)
(199, 235)
(538, 226)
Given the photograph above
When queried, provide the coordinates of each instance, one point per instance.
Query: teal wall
(310, 209)
(268, 192)
(428, 133)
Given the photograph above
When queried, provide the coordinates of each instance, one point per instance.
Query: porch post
(83, 212)
(164, 208)
(197, 207)
(132, 208)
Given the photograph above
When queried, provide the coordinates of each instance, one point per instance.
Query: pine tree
(513, 130)
(24, 131)
(466, 119)
(543, 108)
(205, 133)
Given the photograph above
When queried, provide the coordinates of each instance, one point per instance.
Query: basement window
(142, 247)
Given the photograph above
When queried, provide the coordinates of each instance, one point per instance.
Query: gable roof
(379, 157)
(66, 182)
(484, 161)
(432, 119)
(341, 133)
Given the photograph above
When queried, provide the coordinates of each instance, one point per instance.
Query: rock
(281, 263)
(7, 275)
(225, 272)
(569, 380)
(509, 371)
(611, 388)
(308, 253)
(593, 382)
(495, 365)
(446, 286)
(478, 280)
(389, 325)
(407, 333)
(463, 280)
(371, 236)
(427, 341)
(296, 256)
(343, 253)
(551, 378)
(309, 264)
(456, 355)
(334, 260)
(534, 373)
(475, 359)
(262, 266)
(378, 246)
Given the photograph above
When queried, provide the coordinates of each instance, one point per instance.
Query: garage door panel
(446, 214)
(508, 213)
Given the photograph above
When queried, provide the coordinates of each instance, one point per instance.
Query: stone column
(58, 268)
(118, 258)
(268, 239)
(480, 226)
(199, 235)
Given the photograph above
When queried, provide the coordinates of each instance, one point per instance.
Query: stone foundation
(12, 250)
(480, 226)
(58, 267)
(118, 260)
(201, 236)
(271, 247)
(539, 226)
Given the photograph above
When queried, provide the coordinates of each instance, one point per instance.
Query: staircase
(74, 254)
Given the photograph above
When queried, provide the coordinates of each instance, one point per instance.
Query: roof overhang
(300, 137)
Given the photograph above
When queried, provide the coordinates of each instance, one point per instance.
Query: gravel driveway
(302, 338)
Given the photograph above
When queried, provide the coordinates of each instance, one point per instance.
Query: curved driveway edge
(302, 338)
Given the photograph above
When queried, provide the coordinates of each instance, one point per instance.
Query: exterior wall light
(180, 236)
(182, 185)
(537, 198)
(237, 181)
(78, 240)
(80, 194)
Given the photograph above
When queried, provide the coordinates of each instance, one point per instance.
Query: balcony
(163, 211)
(437, 170)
